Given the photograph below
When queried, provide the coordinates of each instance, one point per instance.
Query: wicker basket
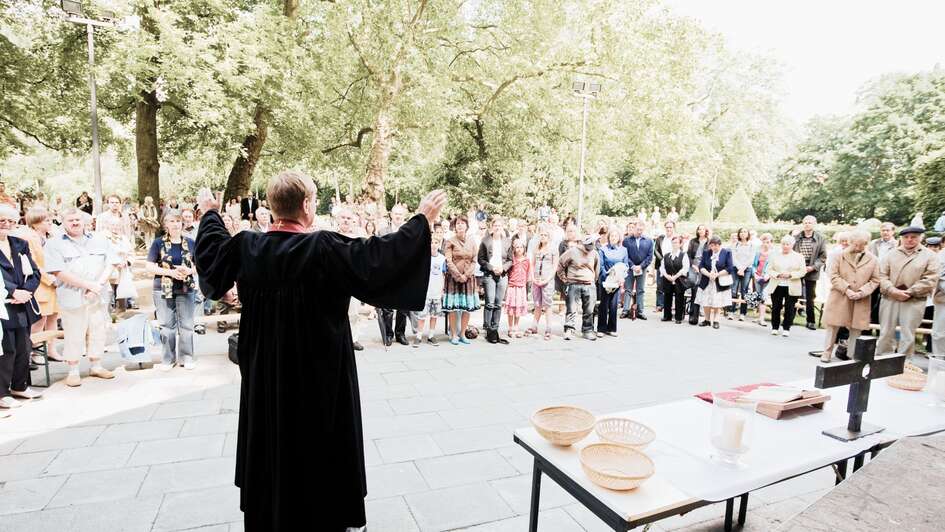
(625, 432)
(563, 425)
(616, 467)
(912, 379)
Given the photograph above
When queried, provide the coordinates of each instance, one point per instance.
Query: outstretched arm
(216, 254)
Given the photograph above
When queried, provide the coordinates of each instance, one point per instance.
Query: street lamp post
(74, 15)
(585, 91)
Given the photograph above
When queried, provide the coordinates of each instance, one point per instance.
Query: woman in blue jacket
(611, 254)
(715, 286)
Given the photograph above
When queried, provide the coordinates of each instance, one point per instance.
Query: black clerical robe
(300, 452)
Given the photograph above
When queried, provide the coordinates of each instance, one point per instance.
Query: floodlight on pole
(586, 91)
(75, 15)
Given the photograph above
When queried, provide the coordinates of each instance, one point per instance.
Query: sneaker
(416, 341)
(190, 365)
(101, 373)
(463, 340)
(165, 367)
(5, 414)
(741, 317)
(73, 380)
(9, 402)
(600, 335)
(432, 341)
(200, 329)
(763, 323)
(357, 346)
(774, 332)
(453, 341)
(590, 336)
(811, 327)
(785, 333)
(611, 334)
(567, 334)
(825, 357)
(28, 393)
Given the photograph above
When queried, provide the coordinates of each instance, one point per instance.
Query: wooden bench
(40, 347)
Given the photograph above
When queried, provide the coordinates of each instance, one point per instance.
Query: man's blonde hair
(287, 191)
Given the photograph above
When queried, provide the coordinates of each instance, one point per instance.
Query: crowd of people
(65, 268)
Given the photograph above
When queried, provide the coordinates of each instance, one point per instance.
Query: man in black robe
(300, 453)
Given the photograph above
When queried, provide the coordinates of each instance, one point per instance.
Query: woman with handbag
(715, 285)
(674, 270)
(697, 245)
(35, 232)
(609, 285)
(170, 259)
(20, 280)
(787, 269)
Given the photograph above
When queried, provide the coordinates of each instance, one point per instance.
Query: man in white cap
(907, 276)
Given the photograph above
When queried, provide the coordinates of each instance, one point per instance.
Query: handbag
(726, 281)
(126, 286)
(233, 348)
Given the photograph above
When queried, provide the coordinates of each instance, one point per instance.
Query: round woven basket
(563, 425)
(912, 379)
(616, 467)
(625, 432)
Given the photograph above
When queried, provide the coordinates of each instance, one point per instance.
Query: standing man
(938, 319)
(495, 260)
(640, 251)
(813, 247)
(906, 278)
(854, 275)
(347, 222)
(394, 329)
(114, 213)
(663, 246)
(82, 263)
(578, 268)
(248, 206)
(880, 248)
(295, 360)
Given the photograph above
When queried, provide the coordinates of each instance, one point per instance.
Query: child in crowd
(516, 301)
(434, 295)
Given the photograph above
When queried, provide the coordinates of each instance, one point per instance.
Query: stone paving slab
(152, 450)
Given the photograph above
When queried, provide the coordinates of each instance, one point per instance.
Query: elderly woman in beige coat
(854, 275)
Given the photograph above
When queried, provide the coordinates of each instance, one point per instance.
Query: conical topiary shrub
(738, 209)
(703, 212)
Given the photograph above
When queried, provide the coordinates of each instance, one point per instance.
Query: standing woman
(544, 266)
(611, 254)
(20, 280)
(35, 233)
(743, 254)
(697, 245)
(715, 286)
(148, 220)
(170, 259)
(759, 270)
(460, 294)
(787, 269)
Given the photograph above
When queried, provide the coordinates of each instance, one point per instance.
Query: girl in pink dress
(516, 299)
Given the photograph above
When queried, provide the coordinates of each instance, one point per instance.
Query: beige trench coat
(917, 272)
(857, 272)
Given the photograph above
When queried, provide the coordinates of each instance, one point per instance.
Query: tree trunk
(379, 157)
(146, 146)
(241, 175)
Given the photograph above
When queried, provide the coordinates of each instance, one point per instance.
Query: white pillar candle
(733, 428)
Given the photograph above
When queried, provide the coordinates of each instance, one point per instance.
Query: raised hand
(432, 204)
(206, 201)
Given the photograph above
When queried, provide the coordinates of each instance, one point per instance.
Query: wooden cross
(858, 373)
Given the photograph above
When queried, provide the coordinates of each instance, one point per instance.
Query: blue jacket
(609, 256)
(640, 253)
(22, 315)
(724, 263)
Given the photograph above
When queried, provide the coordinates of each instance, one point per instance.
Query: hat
(911, 230)
(934, 241)
(589, 240)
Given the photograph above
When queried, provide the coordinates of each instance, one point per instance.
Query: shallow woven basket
(625, 432)
(563, 425)
(616, 467)
(912, 378)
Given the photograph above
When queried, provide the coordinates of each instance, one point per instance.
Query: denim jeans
(583, 296)
(177, 326)
(741, 284)
(607, 313)
(495, 295)
(640, 281)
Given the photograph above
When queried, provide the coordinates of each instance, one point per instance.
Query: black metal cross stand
(858, 373)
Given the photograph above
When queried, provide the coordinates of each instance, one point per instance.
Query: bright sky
(829, 48)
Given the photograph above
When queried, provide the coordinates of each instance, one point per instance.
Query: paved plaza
(154, 450)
